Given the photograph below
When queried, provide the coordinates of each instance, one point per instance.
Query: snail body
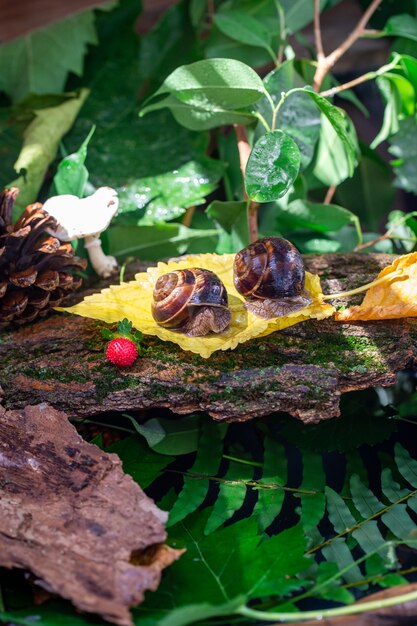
(270, 274)
(193, 301)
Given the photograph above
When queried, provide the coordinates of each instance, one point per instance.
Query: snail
(270, 274)
(193, 301)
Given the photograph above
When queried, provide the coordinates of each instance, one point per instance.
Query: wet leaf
(272, 167)
(391, 299)
(133, 300)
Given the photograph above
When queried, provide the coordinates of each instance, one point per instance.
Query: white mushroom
(86, 219)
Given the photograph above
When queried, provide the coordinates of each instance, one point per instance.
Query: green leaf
(401, 26)
(201, 115)
(188, 614)
(342, 127)
(332, 164)
(272, 167)
(298, 116)
(231, 496)
(270, 501)
(230, 562)
(338, 552)
(403, 146)
(313, 505)
(232, 219)
(243, 27)
(158, 169)
(142, 463)
(194, 491)
(298, 13)
(172, 437)
(320, 217)
(72, 175)
(39, 62)
(40, 144)
(152, 242)
(369, 193)
(223, 82)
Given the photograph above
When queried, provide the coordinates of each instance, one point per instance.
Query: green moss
(51, 373)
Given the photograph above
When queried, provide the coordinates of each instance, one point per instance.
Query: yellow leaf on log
(395, 297)
(133, 300)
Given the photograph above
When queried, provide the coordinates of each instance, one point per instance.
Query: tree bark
(301, 370)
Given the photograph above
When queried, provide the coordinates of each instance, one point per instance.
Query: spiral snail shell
(192, 300)
(270, 274)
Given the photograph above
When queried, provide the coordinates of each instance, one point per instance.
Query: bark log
(301, 370)
(69, 515)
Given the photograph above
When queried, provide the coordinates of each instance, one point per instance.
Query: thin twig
(329, 195)
(188, 216)
(352, 83)
(244, 150)
(371, 243)
(325, 63)
(317, 32)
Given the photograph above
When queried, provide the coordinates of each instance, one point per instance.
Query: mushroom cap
(82, 217)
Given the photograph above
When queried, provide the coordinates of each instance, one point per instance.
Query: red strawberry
(121, 351)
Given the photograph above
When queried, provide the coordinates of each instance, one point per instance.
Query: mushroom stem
(102, 264)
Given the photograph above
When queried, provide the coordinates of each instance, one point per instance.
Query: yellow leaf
(395, 297)
(133, 300)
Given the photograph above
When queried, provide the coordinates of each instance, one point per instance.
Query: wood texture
(69, 515)
(301, 370)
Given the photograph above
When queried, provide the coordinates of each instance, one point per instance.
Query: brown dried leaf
(69, 515)
(393, 298)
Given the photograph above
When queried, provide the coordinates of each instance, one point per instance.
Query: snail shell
(192, 300)
(270, 274)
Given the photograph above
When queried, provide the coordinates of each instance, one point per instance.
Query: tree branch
(244, 150)
(325, 63)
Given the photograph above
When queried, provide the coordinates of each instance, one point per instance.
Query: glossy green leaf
(272, 167)
(298, 116)
(244, 28)
(342, 127)
(232, 220)
(72, 175)
(207, 462)
(154, 242)
(225, 83)
(201, 115)
(332, 165)
(40, 61)
(401, 26)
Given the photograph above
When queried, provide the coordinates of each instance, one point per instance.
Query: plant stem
(330, 193)
(374, 283)
(188, 216)
(354, 609)
(244, 150)
(325, 63)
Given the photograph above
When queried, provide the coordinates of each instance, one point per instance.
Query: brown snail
(270, 274)
(193, 301)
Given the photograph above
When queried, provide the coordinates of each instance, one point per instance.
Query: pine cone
(35, 268)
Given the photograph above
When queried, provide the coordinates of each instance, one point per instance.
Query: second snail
(270, 274)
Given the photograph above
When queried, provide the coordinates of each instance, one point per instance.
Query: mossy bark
(301, 370)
